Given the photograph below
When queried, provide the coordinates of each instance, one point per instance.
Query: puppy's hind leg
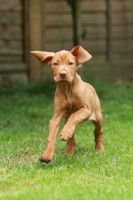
(98, 133)
(71, 144)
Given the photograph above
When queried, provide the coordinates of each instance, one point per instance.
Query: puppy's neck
(66, 88)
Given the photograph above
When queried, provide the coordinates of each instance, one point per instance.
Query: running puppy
(75, 100)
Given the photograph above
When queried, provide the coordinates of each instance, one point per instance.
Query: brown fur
(74, 100)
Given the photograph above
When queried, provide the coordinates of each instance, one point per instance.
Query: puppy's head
(64, 63)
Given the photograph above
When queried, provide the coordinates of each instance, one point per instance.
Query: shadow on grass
(81, 157)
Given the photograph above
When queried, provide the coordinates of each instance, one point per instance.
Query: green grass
(24, 115)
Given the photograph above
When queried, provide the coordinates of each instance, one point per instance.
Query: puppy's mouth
(62, 80)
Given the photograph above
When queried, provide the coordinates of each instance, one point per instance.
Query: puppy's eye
(70, 63)
(55, 63)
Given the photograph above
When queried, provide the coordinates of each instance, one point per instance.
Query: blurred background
(103, 27)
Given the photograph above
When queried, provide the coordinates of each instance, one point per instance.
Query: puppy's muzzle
(63, 74)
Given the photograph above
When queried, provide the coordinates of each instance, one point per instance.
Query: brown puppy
(74, 100)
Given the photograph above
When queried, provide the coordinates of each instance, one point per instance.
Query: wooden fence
(106, 24)
(11, 33)
(106, 32)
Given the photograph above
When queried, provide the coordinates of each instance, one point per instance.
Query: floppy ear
(81, 54)
(43, 56)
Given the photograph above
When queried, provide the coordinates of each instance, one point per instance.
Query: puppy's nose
(63, 73)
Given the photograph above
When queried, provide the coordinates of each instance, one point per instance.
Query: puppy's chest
(72, 104)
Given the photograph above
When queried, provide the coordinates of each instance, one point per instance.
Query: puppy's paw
(65, 135)
(99, 148)
(67, 132)
(46, 157)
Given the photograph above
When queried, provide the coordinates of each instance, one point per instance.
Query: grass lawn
(24, 115)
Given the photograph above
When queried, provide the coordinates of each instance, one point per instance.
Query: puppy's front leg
(76, 118)
(51, 141)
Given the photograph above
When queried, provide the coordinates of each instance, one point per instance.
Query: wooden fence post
(76, 21)
(76, 17)
(25, 4)
(35, 38)
(109, 30)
